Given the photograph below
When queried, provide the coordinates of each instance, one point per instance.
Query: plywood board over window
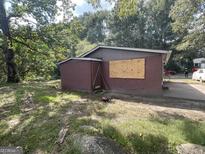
(131, 69)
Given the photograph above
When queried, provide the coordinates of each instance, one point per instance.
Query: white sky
(81, 7)
(79, 2)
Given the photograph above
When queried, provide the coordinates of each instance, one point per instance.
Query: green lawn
(136, 127)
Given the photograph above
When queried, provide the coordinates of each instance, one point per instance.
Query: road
(185, 91)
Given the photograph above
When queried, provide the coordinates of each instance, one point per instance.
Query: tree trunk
(12, 73)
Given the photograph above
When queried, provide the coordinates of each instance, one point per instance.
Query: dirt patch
(190, 149)
(123, 109)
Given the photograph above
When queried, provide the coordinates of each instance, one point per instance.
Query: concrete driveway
(185, 91)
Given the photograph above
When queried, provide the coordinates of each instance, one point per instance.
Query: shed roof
(84, 59)
(126, 49)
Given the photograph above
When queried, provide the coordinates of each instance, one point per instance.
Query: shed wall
(76, 75)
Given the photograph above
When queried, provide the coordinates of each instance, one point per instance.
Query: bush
(173, 66)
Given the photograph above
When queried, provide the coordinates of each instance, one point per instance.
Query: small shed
(116, 69)
(82, 74)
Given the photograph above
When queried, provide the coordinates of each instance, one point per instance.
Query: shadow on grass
(192, 131)
(37, 129)
(39, 93)
(137, 143)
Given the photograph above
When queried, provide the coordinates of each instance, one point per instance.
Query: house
(116, 69)
(199, 62)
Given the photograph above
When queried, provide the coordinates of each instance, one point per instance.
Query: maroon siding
(81, 74)
(96, 78)
(151, 85)
(76, 75)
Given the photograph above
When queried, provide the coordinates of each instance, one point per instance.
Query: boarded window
(134, 68)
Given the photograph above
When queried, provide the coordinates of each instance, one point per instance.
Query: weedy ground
(32, 114)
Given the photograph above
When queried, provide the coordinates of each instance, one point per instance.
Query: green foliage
(127, 8)
(172, 65)
(148, 27)
(43, 11)
(94, 26)
(38, 50)
(163, 24)
(38, 43)
(189, 20)
(48, 46)
(83, 46)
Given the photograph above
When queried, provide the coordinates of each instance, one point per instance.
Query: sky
(82, 6)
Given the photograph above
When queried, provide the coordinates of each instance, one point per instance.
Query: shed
(81, 74)
(116, 69)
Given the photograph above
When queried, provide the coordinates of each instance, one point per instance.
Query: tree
(94, 26)
(36, 15)
(159, 30)
(189, 24)
(84, 46)
(8, 52)
(148, 27)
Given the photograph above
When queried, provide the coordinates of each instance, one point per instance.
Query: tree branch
(26, 45)
(13, 16)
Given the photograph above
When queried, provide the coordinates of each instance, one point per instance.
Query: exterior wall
(76, 75)
(151, 85)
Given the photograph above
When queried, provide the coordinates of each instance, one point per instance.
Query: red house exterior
(93, 71)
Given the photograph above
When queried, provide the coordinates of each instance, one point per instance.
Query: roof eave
(90, 59)
(168, 55)
(121, 48)
(90, 51)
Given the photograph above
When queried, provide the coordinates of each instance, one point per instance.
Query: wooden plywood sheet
(132, 69)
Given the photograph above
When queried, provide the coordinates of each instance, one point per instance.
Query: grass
(147, 136)
(132, 125)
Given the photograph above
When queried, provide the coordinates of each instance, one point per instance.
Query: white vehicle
(199, 75)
